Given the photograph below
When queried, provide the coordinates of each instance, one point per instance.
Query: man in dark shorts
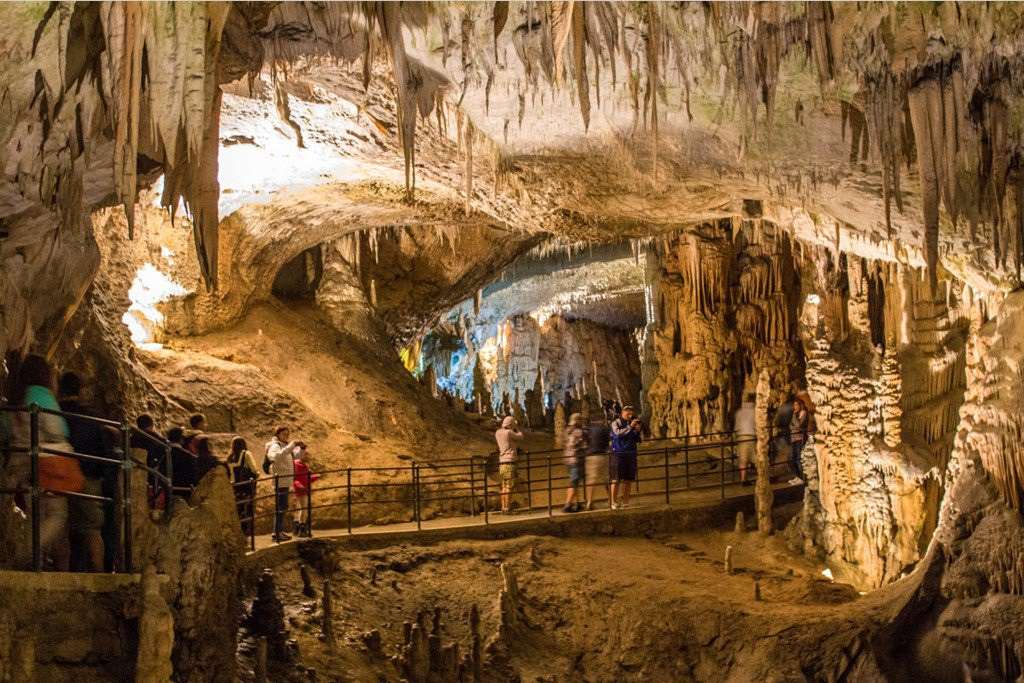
(626, 434)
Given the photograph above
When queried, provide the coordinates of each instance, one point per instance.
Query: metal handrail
(418, 488)
(119, 459)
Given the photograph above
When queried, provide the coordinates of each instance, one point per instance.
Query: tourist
(87, 517)
(797, 439)
(303, 487)
(242, 470)
(596, 467)
(146, 438)
(627, 432)
(745, 432)
(508, 451)
(197, 427)
(281, 461)
(780, 441)
(34, 384)
(183, 464)
(205, 458)
(110, 533)
(575, 453)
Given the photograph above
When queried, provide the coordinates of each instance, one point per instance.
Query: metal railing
(466, 486)
(119, 460)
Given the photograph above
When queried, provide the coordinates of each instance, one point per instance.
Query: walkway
(646, 502)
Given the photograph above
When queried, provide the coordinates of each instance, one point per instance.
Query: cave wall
(724, 302)
(976, 587)
(885, 371)
(556, 356)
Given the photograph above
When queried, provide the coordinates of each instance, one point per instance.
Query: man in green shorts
(508, 438)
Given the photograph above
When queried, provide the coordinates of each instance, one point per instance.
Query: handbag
(60, 473)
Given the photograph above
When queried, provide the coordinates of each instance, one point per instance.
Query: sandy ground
(591, 609)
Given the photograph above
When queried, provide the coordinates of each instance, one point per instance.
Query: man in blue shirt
(626, 434)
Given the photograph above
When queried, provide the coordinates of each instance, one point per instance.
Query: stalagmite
(728, 560)
(260, 672)
(763, 487)
(328, 614)
(559, 424)
(741, 522)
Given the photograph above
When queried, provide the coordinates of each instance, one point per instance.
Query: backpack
(266, 460)
(240, 471)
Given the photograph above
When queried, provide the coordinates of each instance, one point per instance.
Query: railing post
(126, 483)
(309, 504)
(722, 457)
(169, 473)
(550, 510)
(416, 490)
(686, 461)
(529, 483)
(666, 477)
(252, 513)
(472, 489)
(348, 497)
(732, 460)
(35, 493)
(278, 514)
(487, 502)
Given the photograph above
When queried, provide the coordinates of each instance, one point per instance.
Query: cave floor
(590, 608)
(644, 503)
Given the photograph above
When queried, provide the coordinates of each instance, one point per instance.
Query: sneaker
(589, 506)
(569, 508)
(615, 506)
(746, 483)
(796, 481)
(512, 511)
(623, 506)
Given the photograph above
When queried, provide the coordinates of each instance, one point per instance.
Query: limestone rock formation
(725, 307)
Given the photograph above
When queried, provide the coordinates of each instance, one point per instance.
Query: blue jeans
(280, 508)
(796, 449)
(575, 475)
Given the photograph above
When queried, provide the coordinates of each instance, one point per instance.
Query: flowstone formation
(273, 212)
(885, 370)
(725, 299)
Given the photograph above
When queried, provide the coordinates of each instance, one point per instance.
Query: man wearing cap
(508, 437)
(626, 434)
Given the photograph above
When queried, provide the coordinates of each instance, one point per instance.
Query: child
(303, 481)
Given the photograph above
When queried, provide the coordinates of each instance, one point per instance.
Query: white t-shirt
(745, 423)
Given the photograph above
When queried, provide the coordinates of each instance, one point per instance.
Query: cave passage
(312, 317)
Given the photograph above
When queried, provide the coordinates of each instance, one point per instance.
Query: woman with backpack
(242, 468)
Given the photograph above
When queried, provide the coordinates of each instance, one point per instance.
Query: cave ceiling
(602, 283)
(886, 130)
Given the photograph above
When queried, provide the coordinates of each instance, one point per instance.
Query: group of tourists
(78, 526)
(595, 457)
(604, 454)
(793, 423)
(285, 460)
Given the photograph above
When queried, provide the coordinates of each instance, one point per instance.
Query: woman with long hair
(242, 468)
(798, 428)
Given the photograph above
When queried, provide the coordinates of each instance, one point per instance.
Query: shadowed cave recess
(391, 225)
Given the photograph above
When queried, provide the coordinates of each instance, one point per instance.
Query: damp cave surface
(388, 227)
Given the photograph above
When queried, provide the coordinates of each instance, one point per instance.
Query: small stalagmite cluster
(390, 225)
